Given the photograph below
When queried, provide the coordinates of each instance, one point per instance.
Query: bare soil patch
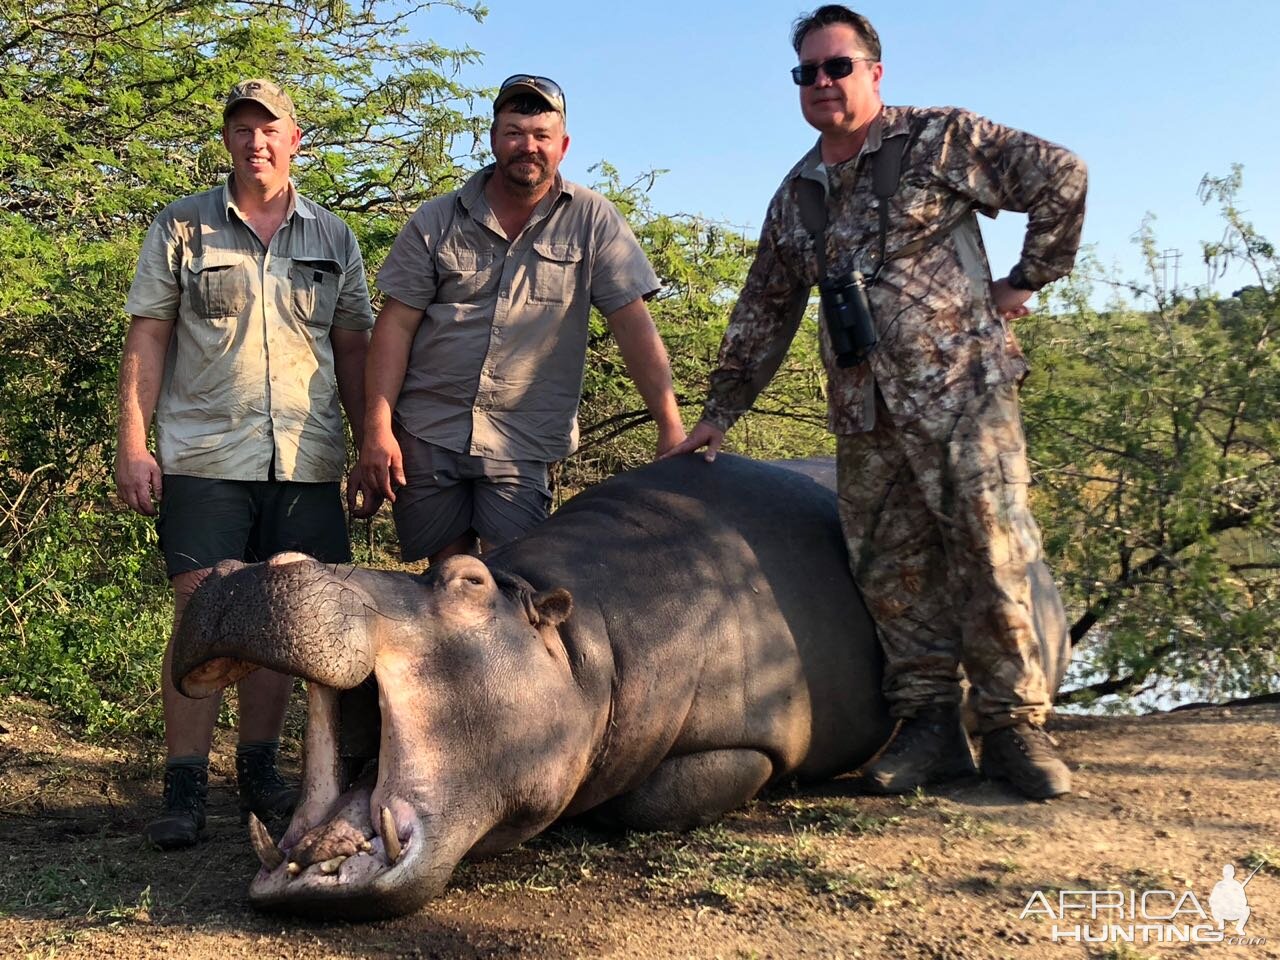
(1164, 802)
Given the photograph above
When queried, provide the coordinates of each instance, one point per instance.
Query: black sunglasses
(544, 85)
(837, 68)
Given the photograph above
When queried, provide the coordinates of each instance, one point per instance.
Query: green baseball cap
(266, 94)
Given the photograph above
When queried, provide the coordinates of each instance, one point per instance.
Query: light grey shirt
(249, 373)
(496, 365)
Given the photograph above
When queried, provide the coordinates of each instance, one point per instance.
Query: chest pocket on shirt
(555, 270)
(462, 273)
(314, 282)
(219, 284)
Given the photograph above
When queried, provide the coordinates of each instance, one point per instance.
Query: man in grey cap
(476, 363)
(250, 320)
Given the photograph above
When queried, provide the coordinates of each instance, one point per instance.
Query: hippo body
(661, 648)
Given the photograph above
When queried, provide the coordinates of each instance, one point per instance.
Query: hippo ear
(551, 607)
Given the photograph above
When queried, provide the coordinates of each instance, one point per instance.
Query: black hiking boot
(1023, 756)
(186, 789)
(927, 748)
(262, 790)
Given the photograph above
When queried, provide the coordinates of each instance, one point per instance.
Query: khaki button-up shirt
(496, 365)
(941, 341)
(249, 375)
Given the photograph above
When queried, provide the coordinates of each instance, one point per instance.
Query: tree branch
(1159, 561)
(1113, 685)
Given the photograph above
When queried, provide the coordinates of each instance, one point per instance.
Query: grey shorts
(449, 493)
(203, 521)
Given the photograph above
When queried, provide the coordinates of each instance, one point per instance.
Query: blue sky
(1153, 96)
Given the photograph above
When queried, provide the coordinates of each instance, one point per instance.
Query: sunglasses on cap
(837, 68)
(544, 85)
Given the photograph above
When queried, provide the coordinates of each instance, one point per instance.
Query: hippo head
(477, 738)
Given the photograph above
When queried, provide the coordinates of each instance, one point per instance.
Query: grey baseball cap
(266, 94)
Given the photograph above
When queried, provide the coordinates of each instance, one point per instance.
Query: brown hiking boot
(927, 748)
(185, 791)
(262, 790)
(1023, 756)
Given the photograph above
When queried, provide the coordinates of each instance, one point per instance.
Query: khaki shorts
(448, 494)
(203, 521)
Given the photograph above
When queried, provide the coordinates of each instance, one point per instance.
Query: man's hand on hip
(1011, 303)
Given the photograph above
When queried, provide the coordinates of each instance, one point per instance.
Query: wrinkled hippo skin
(665, 645)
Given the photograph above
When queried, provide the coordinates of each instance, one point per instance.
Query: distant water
(1157, 697)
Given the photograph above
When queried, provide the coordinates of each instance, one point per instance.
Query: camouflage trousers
(939, 533)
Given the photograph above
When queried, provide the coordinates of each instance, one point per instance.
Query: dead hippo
(656, 652)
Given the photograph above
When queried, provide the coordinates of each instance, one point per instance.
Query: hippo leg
(692, 790)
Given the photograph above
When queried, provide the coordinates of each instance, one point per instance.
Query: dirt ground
(1163, 803)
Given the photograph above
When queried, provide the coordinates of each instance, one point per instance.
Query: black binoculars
(848, 313)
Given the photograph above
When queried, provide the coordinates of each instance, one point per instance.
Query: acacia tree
(108, 111)
(1157, 436)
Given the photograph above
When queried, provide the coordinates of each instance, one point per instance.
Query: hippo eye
(479, 582)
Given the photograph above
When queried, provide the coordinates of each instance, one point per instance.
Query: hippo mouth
(361, 847)
(349, 846)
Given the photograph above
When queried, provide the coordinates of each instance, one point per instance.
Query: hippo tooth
(295, 868)
(390, 838)
(263, 845)
(365, 846)
(331, 866)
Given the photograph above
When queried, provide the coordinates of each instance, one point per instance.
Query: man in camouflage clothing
(931, 457)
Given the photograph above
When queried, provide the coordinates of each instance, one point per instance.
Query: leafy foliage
(1158, 436)
(107, 113)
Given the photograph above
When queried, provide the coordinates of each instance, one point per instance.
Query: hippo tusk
(263, 845)
(390, 838)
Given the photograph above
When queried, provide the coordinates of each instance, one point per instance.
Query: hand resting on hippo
(657, 651)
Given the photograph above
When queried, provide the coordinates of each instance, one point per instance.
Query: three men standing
(922, 388)
(250, 320)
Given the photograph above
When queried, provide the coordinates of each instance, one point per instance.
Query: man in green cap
(250, 321)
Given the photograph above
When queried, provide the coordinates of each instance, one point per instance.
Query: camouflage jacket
(941, 341)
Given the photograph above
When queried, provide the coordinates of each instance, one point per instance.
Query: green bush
(87, 615)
